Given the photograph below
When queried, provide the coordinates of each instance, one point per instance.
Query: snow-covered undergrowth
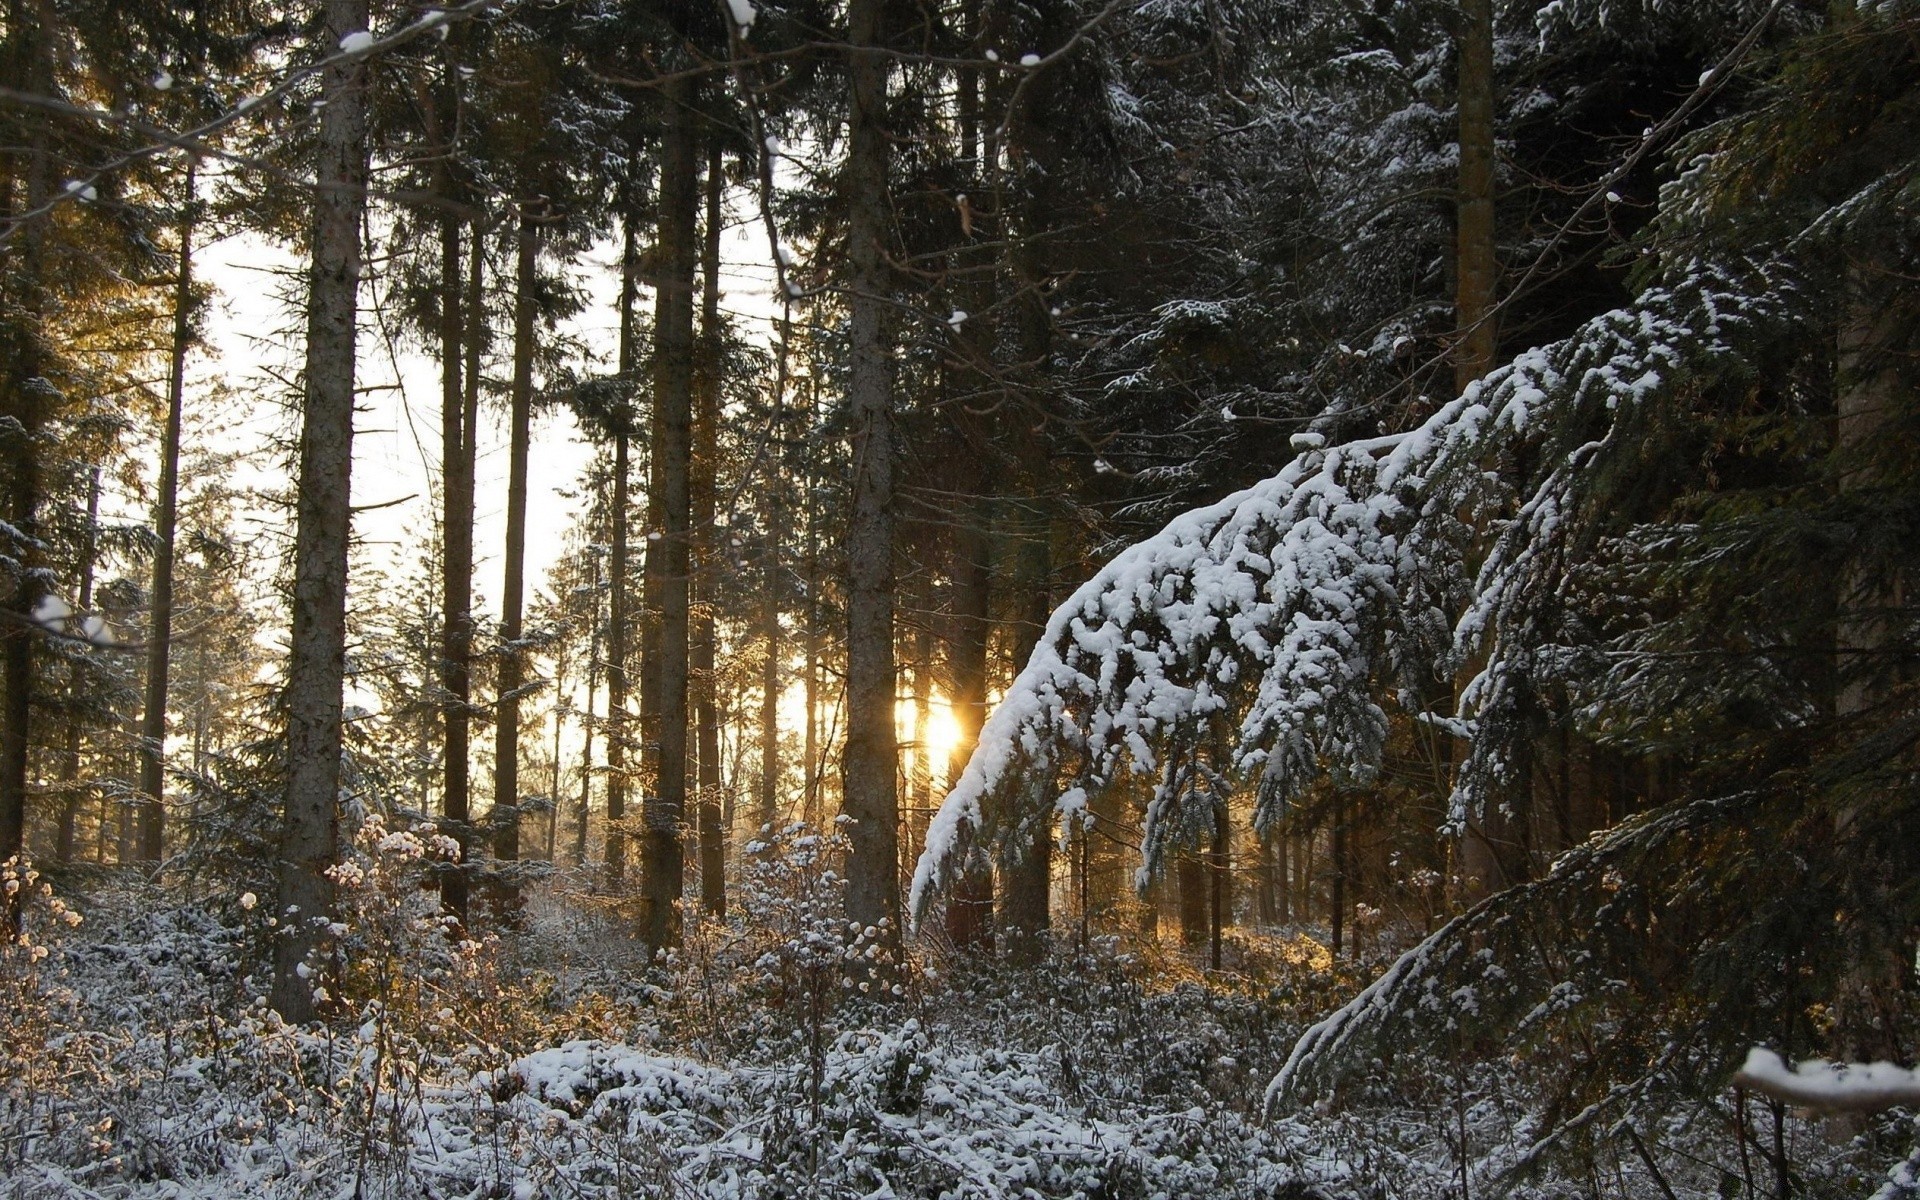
(141, 1062)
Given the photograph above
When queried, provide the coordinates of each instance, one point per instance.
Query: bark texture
(870, 763)
(317, 656)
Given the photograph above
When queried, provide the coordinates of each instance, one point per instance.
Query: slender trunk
(317, 657)
(620, 568)
(870, 762)
(970, 904)
(668, 552)
(1477, 266)
(701, 482)
(1218, 864)
(811, 806)
(456, 540)
(70, 760)
(769, 799)
(505, 817)
(559, 727)
(585, 809)
(153, 719)
(1190, 882)
(1338, 915)
(1029, 878)
(920, 783)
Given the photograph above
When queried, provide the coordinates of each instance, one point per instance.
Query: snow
(743, 13)
(1817, 1083)
(357, 42)
(163, 81)
(1029, 60)
(51, 613)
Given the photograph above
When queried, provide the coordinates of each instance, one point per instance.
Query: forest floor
(142, 1061)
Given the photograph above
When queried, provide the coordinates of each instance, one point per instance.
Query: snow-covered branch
(1829, 1086)
(1286, 608)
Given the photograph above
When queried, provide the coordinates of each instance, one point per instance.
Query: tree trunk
(26, 408)
(505, 816)
(620, 567)
(456, 541)
(970, 903)
(811, 803)
(1477, 266)
(1219, 862)
(920, 782)
(317, 657)
(668, 546)
(1029, 879)
(70, 760)
(585, 809)
(706, 551)
(153, 719)
(768, 814)
(870, 763)
(1338, 915)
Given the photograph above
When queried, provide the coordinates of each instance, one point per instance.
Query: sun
(942, 736)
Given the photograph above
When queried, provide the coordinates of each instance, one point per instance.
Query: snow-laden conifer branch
(1286, 607)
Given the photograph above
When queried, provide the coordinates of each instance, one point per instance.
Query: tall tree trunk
(1338, 903)
(1477, 266)
(620, 567)
(70, 760)
(706, 449)
(920, 783)
(26, 408)
(505, 817)
(1029, 879)
(970, 904)
(870, 763)
(153, 719)
(1190, 882)
(317, 658)
(668, 549)
(1219, 862)
(812, 806)
(456, 554)
(768, 814)
(585, 809)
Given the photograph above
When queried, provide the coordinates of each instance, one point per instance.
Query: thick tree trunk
(317, 657)
(706, 550)
(1477, 265)
(870, 763)
(26, 408)
(70, 759)
(456, 554)
(505, 817)
(668, 546)
(153, 718)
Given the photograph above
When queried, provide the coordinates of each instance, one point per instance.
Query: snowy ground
(141, 1062)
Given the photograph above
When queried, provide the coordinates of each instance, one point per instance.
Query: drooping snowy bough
(1256, 640)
